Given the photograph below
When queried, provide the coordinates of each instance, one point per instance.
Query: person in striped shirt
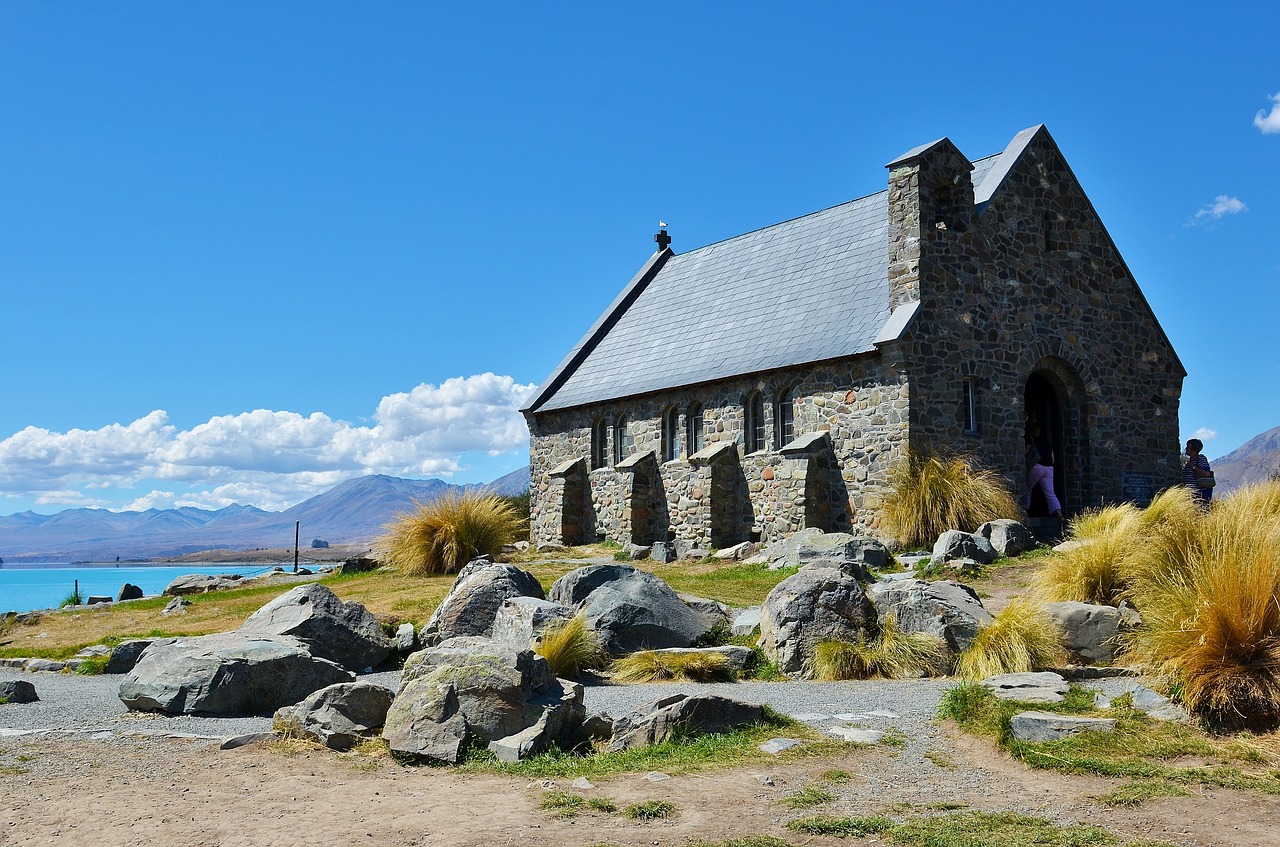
(1195, 469)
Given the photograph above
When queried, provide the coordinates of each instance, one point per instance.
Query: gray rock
(687, 715)
(946, 609)
(857, 735)
(472, 604)
(406, 639)
(49, 665)
(129, 591)
(522, 619)
(713, 612)
(736, 552)
(359, 564)
(809, 545)
(954, 544)
(1043, 687)
(638, 551)
(476, 690)
(93, 651)
(345, 633)
(629, 609)
(98, 599)
(661, 552)
(1156, 705)
(339, 716)
(815, 604)
(126, 654)
(198, 583)
(1007, 537)
(17, 691)
(1090, 633)
(746, 622)
(176, 606)
(774, 746)
(561, 718)
(1047, 726)
(230, 673)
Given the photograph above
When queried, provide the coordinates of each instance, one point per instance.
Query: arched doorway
(1044, 408)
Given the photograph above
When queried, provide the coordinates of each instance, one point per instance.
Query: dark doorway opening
(1044, 409)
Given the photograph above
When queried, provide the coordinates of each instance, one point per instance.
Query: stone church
(770, 382)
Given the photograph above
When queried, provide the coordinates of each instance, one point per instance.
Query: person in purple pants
(1040, 471)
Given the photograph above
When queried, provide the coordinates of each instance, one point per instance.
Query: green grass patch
(1138, 792)
(734, 584)
(808, 797)
(563, 804)
(651, 810)
(1006, 829)
(93, 666)
(835, 776)
(1140, 748)
(842, 827)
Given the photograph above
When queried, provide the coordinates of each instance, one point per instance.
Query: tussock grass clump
(571, 648)
(1091, 572)
(1211, 613)
(440, 536)
(807, 797)
(650, 811)
(655, 666)
(1021, 638)
(931, 494)
(891, 654)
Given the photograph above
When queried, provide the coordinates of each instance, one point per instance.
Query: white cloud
(1269, 122)
(1221, 205)
(271, 459)
(1205, 434)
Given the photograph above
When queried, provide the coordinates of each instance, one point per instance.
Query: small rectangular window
(970, 400)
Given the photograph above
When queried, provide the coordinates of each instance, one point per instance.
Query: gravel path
(89, 704)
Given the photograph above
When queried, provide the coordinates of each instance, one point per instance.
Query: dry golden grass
(891, 654)
(931, 494)
(571, 648)
(1021, 638)
(653, 666)
(1091, 572)
(440, 536)
(1211, 612)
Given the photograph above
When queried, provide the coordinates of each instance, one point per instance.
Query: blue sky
(248, 250)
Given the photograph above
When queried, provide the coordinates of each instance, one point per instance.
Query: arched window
(784, 419)
(753, 422)
(599, 444)
(623, 443)
(694, 436)
(671, 435)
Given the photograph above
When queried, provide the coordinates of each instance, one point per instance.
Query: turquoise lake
(23, 588)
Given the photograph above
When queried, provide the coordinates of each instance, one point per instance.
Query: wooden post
(297, 526)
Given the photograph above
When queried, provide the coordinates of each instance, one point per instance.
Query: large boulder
(1029, 687)
(812, 545)
(681, 715)
(339, 716)
(629, 609)
(476, 690)
(479, 591)
(522, 619)
(126, 654)
(1007, 537)
(1049, 726)
(199, 583)
(17, 691)
(345, 633)
(1090, 633)
(814, 605)
(229, 674)
(946, 609)
(955, 544)
(129, 591)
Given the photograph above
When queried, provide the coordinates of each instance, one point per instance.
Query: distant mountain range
(352, 512)
(1254, 461)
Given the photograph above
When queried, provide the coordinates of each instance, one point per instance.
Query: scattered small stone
(94, 650)
(43, 665)
(235, 741)
(764, 779)
(583, 784)
(656, 776)
(777, 745)
(1044, 687)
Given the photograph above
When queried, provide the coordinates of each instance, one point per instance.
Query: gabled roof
(805, 290)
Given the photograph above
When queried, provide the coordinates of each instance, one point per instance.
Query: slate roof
(804, 290)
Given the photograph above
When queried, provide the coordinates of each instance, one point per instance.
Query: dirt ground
(167, 793)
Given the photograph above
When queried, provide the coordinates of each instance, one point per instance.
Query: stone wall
(1034, 285)
(764, 495)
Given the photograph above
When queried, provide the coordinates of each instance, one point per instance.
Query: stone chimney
(930, 202)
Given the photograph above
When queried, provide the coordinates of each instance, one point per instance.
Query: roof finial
(662, 239)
